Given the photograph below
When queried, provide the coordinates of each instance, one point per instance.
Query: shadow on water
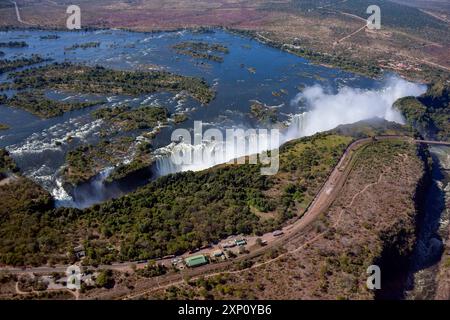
(99, 189)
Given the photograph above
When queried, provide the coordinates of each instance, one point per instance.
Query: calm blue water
(39, 146)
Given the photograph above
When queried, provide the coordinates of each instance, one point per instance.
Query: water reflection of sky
(40, 145)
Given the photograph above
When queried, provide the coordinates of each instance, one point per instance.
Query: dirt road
(323, 200)
(19, 18)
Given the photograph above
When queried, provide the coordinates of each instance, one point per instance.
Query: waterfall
(297, 128)
(89, 193)
(195, 157)
(62, 198)
(199, 157)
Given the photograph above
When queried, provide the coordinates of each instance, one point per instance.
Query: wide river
(251, 71)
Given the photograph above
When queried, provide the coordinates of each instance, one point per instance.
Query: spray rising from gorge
(349, 105)
(326, 111)
(250, 72)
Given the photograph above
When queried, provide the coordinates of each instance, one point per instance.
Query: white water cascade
(326, 112)
(213, 152)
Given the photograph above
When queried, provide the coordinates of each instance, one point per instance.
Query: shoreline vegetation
(201, 50)
(157, 219)
(142, 161)
(99, 80)
(36, 103)
(7, 164)
(163, 217)
(429, 113)
(125, 118)
(87, 45)
(363, 67)
(87, 161)
(7, 65)
(326, 59)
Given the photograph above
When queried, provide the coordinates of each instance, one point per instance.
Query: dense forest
(429, 113)
(7, 165)
(13, 44)
(93, 44)
(127, 118)
(87, 161)
(170, 215)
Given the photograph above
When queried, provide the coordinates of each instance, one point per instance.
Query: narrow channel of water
(433, 230)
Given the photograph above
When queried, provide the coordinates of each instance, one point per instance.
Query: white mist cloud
(326, 112)
(349, 105)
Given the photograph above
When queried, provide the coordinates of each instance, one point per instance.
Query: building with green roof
(196, 261)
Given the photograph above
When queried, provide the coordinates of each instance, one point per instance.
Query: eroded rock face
(443, 269)
(373, 221)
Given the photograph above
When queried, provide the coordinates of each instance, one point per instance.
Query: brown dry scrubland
(443, 274)
(371, 222)
(416, 54)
